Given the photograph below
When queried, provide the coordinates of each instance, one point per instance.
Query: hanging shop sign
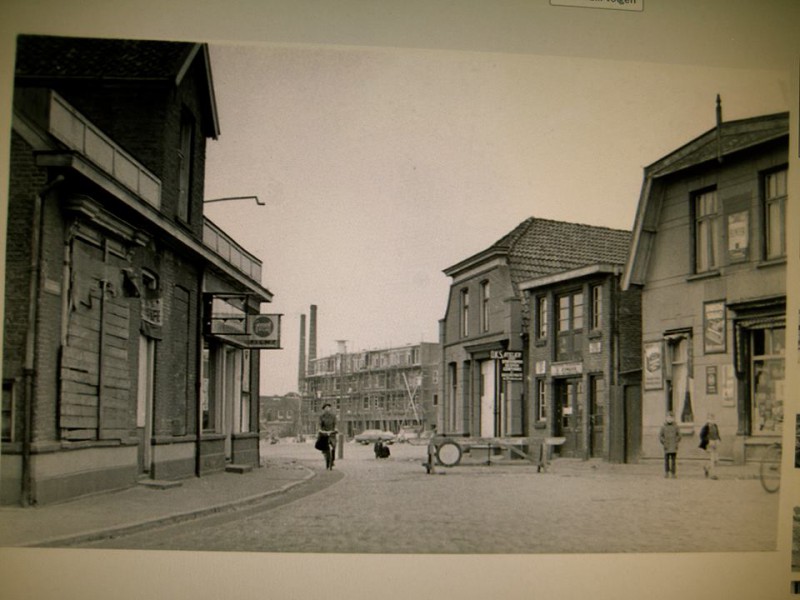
(264, 331)
(256, 332)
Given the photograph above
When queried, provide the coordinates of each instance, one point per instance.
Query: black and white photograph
(328, 302)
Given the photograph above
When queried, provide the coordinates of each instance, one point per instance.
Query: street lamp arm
(259, 202)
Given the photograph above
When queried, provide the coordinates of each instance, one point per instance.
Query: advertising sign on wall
(653, 365)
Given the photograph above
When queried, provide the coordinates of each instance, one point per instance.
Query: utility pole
(342, 381)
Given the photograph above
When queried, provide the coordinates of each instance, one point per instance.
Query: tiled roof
(63, 57)
(540, 247)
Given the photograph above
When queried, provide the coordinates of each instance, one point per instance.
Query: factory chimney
(301, 367)
(312, 334)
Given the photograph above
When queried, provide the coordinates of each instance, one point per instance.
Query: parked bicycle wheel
(770, 469)
(448, 454)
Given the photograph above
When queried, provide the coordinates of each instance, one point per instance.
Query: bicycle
(326, 443)
(769, 471)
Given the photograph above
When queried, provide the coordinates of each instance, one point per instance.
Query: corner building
(108, 259)
(709, 254)
(486, 328)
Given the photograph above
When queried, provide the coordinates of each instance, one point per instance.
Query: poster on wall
(653, 366)
(714, 327)
(738, 238)
(711, 380)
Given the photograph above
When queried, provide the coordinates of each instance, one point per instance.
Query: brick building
(111, 272)
(709, 253)
(386, 388)
(281, 416)
(583, 359)
(486, 355)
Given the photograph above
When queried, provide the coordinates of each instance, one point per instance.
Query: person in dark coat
(326, 435)
(670, 438)
(709, 440)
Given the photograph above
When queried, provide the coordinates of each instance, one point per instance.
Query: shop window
(775, 215)
(597, 400)
(679, 374)
(706, 231)
(767, 377)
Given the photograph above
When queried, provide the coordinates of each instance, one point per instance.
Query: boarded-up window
(96, 400)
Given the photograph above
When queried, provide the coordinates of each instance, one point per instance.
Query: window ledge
(595, 334)
(706, 275)
(775, 262)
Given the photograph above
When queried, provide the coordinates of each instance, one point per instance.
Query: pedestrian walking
(326, 435)
(709, 440)
(670, 438)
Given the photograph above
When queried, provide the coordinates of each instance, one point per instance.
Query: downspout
(29, 366)
(198, 455)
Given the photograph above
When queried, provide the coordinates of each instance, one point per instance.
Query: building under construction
(388, 389)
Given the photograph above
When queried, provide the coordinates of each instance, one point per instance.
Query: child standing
(709, 438)
(670, 438)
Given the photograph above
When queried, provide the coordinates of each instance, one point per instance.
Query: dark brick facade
(97, 256)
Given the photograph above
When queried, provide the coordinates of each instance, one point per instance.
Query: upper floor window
(569, 326)
(775, 214)
(597, 306)
(464, 313)
(541, 317)
(185, 166)
(485, 293)
(706, 231)
(570, 312)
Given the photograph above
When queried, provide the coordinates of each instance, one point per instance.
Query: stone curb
(170, 519)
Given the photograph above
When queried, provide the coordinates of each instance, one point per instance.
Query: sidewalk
(125, 511)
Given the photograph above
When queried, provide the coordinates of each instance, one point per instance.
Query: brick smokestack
(312, 334)
(301, 367)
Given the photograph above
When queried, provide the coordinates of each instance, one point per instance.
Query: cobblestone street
(391, 506)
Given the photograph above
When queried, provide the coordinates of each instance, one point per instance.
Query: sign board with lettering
(566, 369)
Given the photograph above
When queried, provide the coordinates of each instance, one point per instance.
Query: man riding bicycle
(326, 435)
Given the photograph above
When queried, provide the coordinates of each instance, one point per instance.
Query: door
(231, 397)
(568, 415)
(144, 405)
(633, 423)
(597, 416)
(488, 400)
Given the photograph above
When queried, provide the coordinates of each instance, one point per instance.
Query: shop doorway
(568, 396)
(488, 399)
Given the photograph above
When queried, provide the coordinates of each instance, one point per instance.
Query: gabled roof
(538, 247)
(726, 139)
(44, 58)
(718, 142)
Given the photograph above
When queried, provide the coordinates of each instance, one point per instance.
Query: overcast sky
(382, 167)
